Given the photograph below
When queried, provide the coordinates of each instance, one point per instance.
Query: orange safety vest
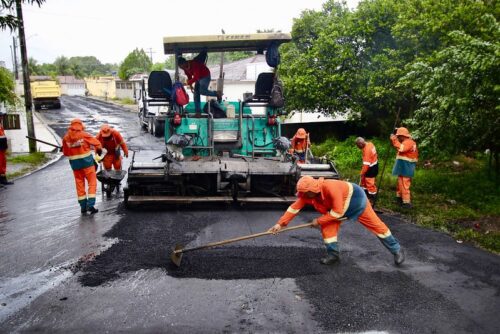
(77, 147)
(370, 157)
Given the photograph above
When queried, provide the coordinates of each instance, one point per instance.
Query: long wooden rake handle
(228, 241)
(251, 236)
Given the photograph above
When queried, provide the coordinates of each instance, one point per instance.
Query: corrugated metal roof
(69, 79)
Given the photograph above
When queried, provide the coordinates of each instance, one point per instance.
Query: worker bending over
(199, 75)
(77, 146)
(404, 167)
(300, 144)
(335, 200)
(113, 142)
(370, 167)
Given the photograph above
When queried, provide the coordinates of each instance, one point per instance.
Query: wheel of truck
(157, 128)
(57, 105)
(141, 120)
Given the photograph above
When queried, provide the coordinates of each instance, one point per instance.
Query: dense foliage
(136, 62)
(80, 67)
(436, 61)
(7, 94)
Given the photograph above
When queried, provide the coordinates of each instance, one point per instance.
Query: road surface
(63, 272)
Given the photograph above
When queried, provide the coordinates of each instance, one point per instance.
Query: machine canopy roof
(217, 43)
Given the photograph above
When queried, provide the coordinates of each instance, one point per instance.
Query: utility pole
(26, 77)
(150, 50)
(16, 70)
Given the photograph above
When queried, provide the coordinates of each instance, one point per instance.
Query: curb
(57, 156)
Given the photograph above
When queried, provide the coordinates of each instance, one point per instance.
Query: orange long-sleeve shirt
(332, 202)
(113, 142)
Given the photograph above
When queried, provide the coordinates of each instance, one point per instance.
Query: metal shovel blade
(176, 255)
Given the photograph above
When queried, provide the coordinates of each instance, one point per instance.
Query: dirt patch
(484, 224)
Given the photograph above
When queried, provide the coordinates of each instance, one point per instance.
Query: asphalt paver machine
(240, 157)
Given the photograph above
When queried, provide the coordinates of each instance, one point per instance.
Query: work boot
(406, 206)
(399, 257)
(83, 211)
(219, 97)
(3, 180)
(92, 210)
(329, 259)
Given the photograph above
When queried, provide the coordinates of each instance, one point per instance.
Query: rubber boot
(399, 257)
(329, 260)
(406, 206)
(92, 210)
(3, 180)
(332, 251)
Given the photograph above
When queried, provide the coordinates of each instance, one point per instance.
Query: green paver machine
(241, 157)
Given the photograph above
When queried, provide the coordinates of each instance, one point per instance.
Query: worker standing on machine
(113, 142)
(370, 167)
(3, 154)
(300, 144)
(77, 146)
(336, 200)
(199, 75)
(404, 167)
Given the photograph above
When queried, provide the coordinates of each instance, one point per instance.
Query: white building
(71, 85)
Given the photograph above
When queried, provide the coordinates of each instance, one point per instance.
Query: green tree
(7, 7)
(63, 66)
(459, 92)
(158, 67)
(136, 62)
(33, 66)
(7, 87)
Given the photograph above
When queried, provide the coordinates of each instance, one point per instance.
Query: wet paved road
(63, 272)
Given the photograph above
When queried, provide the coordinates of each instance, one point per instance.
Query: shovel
(176, 256)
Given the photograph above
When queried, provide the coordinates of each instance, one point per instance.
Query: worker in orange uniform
(3, 154)
(112, 141)
(336, 200)
(404, 167)
(77, 146)
(370, 167)
(300, 144)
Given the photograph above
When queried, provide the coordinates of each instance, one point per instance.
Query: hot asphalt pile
(344, 296)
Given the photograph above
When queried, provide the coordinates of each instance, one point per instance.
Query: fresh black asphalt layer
(344, 296)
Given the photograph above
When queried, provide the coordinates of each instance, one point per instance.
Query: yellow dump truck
(46, 93)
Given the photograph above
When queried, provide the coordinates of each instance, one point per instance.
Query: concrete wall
(73, 89)
(103, 87)
(126, 89)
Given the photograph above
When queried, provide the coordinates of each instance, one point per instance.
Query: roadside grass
(125, 100)
(455, 195)
(21, 164)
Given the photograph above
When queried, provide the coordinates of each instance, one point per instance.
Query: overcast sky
(110, 29)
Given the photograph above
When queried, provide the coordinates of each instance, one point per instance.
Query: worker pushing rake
(337, 201)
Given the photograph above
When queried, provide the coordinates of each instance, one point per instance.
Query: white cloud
(111, 29)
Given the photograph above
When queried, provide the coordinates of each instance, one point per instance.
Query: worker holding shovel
(338, 201)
